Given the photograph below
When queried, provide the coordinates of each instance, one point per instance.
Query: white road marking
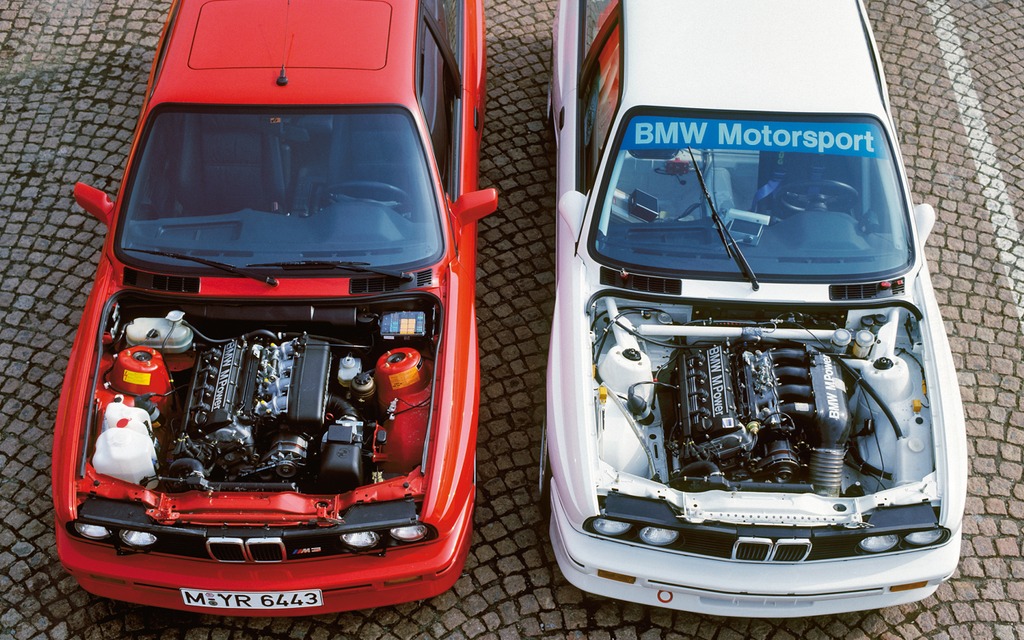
(990, 175)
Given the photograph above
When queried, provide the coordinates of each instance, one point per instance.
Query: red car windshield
(259, 186)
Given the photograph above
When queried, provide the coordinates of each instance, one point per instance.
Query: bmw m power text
(271, 404)
(752, 408)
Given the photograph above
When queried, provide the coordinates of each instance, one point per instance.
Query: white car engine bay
(762, 417)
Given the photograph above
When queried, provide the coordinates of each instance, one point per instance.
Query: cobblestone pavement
(71, 77)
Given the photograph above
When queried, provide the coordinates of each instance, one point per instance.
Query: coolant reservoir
(622, 368)
(169, 334)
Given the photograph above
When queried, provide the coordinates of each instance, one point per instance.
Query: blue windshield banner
(861, 139)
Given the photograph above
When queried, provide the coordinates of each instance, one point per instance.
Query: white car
(752, 406)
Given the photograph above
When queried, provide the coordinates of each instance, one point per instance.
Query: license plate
(252, 600)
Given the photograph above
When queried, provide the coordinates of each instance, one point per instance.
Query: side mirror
(924, 216)
(95, 202)
(571, 208)
(473, 206)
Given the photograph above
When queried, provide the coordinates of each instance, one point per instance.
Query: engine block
(706, 393)
(251, 391)
(259, 382)
(758, 413)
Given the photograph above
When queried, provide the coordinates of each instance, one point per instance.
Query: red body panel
(445, 489)
(350, 583)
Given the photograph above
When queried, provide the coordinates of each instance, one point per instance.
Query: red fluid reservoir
(403, 390)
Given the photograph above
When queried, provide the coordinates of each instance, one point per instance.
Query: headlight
(361, 539)
(658, 537)
(610, 527)
(923, 538)
(412, 533)
(92, 531)
(878, 544)
(137, 539)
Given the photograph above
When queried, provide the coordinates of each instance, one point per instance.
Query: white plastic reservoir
(118, 413)
(125, 448)
(167, 335)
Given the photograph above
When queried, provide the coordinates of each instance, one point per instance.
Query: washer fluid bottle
(125, 448)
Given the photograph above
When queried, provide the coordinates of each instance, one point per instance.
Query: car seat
(231, 162)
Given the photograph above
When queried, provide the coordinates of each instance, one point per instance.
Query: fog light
(923, 538)
(138, 539)
(878, 544)
(658, 537)
(411, 533)
(610, 527)
(361, 539)
(92, 531)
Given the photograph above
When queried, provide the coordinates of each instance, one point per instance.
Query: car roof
(751, 55)
(332, 52)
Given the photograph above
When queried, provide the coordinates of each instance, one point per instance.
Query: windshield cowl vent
(869, 291)
(383, 284)
(159, 282)
(635, 282)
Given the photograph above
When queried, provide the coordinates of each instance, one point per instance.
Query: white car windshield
(805, 198)
(251, 187)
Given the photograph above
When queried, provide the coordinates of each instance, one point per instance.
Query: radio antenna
(282, 79)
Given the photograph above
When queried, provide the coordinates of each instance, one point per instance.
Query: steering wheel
(375, 190)
(819, 195)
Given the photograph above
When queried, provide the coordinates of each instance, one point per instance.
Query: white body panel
(676, 54)
(721, 51)
(744, 589)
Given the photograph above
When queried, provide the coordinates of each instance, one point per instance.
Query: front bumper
(747, 589)
(347, 582)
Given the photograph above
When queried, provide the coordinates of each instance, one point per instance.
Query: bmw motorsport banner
(862, 139)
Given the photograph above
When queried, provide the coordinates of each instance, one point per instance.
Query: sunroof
(334, 34)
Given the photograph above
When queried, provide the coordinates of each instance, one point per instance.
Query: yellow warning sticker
(137, 377)
(404, 378)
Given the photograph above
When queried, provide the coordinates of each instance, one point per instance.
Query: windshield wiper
(732, 248)
(345, 265)
(223, 266)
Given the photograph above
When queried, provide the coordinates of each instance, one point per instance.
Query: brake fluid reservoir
(863, 340)
(622, 368)
(348, 368)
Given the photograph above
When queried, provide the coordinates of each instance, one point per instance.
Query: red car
(271, 403)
